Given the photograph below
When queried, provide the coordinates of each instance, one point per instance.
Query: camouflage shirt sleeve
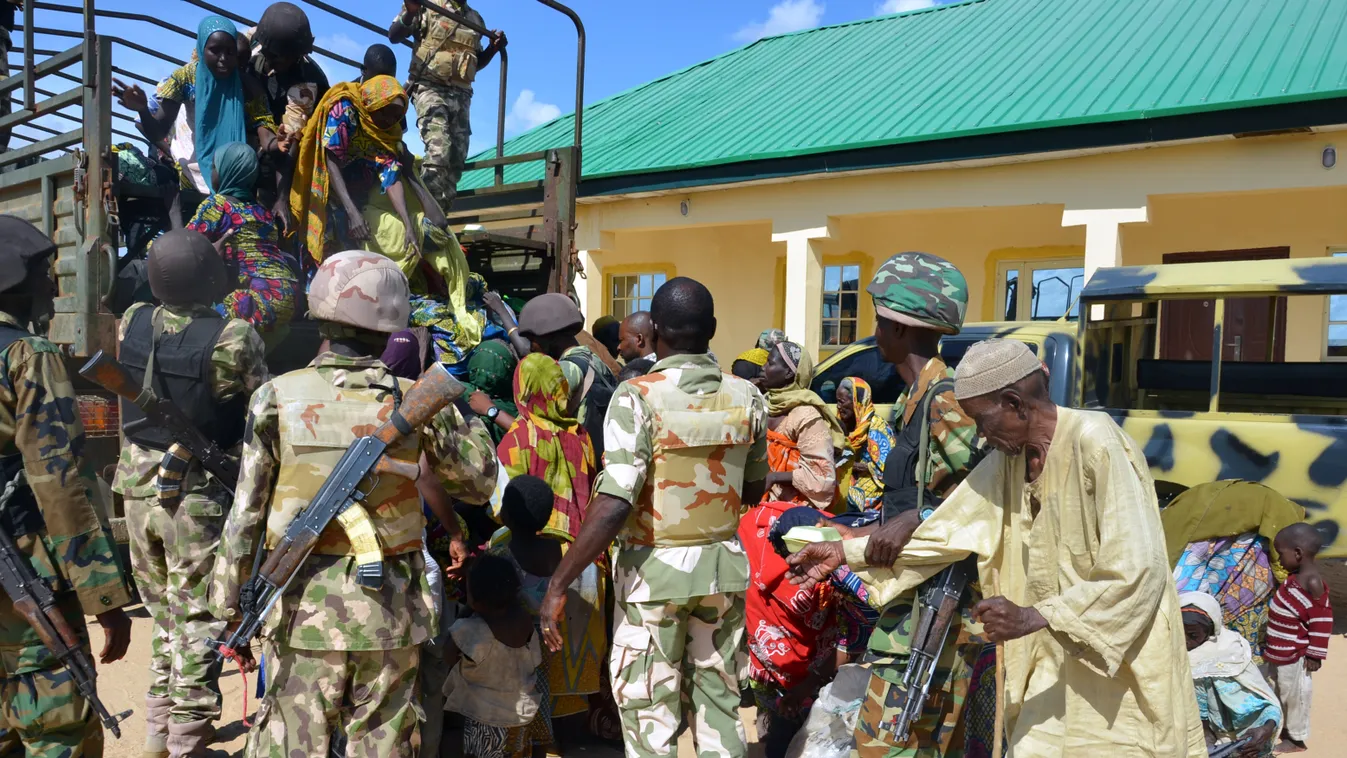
(238, 362)
(954, 440)
(243, 528)
(463, 455)
(49, 435)
(628, 445)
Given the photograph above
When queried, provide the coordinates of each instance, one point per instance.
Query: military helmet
(548, 314)
(921, 290)
(184, 269)
(361, 289)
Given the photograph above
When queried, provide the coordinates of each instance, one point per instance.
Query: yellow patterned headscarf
(311, 186)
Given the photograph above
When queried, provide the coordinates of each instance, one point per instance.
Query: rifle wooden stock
(428, 396)
(105, 371)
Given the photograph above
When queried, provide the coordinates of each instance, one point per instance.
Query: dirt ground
(122, 685)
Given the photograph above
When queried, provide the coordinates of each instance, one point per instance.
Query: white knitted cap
(991, 365)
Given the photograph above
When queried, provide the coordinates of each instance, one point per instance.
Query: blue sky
(630, 42)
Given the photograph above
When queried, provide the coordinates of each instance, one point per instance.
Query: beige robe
(1109, 676)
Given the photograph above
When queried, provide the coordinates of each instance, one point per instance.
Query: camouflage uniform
(680, 443)
(440, 86)
(173, 549)
(926, 292)
(41, 711)
(575, 378)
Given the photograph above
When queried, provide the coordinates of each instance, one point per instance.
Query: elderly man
(1063, 517)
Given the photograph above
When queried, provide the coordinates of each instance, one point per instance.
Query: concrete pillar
(804, 285)
(1103, 243)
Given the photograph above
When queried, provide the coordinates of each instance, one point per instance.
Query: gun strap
(924, 446)
(156, 331)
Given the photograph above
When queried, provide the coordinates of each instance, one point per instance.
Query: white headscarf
(1227, 654)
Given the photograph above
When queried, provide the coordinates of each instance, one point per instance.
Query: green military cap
(921, 290)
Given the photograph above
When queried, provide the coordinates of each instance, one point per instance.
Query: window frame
(639, 269)
(1328, 315)
(862, 264)
(1025, 269)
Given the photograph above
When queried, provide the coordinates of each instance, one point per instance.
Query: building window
(1056, 286)
(632, 293)
(1335, 336)
(841, 304)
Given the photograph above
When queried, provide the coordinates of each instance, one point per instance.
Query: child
(379, 61)
(1235, 701)
(569, 677)
(493, 657)
(1300, 619)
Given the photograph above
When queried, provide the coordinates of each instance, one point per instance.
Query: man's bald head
(684, 317)
(636, 336)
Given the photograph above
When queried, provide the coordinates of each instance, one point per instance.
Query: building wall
(1234, 194)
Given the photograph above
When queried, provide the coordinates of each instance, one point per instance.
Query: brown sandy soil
(122, 685)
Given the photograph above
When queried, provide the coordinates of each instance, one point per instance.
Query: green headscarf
(783, 400)
(491, 370)
(237, 165)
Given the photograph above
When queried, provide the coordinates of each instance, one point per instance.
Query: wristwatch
(493, 413)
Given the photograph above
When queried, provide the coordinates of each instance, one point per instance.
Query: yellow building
(1023, 140)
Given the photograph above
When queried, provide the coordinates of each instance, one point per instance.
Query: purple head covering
(403, 355)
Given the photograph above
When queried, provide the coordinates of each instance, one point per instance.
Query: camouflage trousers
(42, 714)
(369, 697)
(939, 731)
(442, 118)
(677, 661)
(172, 556)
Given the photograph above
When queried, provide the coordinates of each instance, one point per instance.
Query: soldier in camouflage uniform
(446, 60)
(686, 448)
(918, 298)
(174, 538)
(343, 657)
(53, 518)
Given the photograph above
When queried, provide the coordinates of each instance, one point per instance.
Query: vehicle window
(952, 349)
(867, 364)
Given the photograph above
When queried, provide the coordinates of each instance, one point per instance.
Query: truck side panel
(1302, 457)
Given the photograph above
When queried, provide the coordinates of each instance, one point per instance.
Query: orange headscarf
(309, 190)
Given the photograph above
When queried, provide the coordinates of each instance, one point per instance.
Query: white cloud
(784, 17)
(341, 45)
(527, 113)
(901, 6)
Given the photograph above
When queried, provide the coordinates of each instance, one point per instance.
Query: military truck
(69, 181)
(1229, 414)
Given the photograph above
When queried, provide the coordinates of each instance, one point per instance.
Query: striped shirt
(1298, 625)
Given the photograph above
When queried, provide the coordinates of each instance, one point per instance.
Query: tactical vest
(182, 376)
(21, 515)
(448, 53)
(693, 490)
(317, 423)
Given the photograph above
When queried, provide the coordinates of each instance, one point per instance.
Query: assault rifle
(339, 499)
(34, 600)
(937, 606)
(105, 371)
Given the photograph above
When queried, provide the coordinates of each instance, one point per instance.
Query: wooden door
(1255, 327)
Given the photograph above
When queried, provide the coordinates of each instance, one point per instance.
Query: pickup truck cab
(1200, 416)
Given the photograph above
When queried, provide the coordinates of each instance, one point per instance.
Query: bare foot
(1289, 746)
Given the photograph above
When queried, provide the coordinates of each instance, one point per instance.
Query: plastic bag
(829, 730)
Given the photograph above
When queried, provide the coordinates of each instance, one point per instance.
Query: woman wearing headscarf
(353, 147)
(1235, 701)
(268, 284)
(490, 373)
(546, 443)
(800, 431)
(869, 438)
(222, 106)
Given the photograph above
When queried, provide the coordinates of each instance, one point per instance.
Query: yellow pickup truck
(1234, 410)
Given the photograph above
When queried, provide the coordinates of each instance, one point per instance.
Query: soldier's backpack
(596, 393)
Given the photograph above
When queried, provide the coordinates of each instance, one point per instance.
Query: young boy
(1300, 619)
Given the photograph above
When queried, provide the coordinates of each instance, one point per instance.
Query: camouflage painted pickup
(1280, 423)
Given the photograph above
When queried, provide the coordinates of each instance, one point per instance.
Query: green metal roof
(972, 68)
